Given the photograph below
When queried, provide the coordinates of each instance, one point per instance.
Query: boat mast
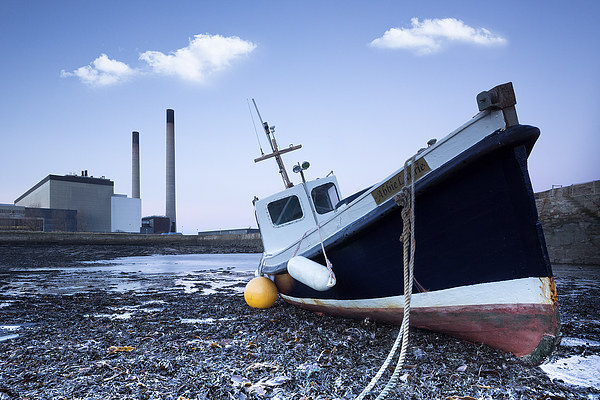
(276, 152)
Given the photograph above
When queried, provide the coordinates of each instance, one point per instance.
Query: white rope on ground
(406, 199)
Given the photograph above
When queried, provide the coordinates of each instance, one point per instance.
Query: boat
(480, 265)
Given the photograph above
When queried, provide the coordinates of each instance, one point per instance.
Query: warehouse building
(97, 208)
(19, 218)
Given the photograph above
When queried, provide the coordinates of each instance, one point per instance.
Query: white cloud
(204, 55)
(101, 72)
(429, 35)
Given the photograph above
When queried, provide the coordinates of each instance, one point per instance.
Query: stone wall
(250, 242)
(570, 218)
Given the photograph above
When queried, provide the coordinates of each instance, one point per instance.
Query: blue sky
(361, 85)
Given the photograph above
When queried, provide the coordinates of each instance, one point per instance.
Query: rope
(406, 199)
(331, 281)
(300, 242)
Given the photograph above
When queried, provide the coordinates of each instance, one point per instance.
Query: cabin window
(325, 197)
(285, 210)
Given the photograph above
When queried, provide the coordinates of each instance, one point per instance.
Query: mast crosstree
(276, 152)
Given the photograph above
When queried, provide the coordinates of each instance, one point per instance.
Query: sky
(362, 85)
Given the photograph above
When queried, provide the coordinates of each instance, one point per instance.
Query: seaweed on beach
(159, 341)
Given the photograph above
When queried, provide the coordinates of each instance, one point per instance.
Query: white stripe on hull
(516, 291)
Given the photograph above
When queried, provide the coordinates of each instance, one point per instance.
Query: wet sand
(73, 333)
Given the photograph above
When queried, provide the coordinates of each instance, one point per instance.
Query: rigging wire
(262, 153)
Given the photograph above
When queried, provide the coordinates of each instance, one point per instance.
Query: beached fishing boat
(481, 268)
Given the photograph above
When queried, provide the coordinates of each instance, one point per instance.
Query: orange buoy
(284, 283)
(260, 292)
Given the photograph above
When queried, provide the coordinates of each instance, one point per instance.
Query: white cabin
(287, 216)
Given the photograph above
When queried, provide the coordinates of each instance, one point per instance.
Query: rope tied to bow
(405, 199)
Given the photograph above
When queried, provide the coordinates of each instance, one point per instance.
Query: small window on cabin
(285, 210)
(325, 197)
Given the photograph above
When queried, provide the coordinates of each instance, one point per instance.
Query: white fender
(312, 274)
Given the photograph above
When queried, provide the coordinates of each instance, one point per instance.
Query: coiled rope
(406, 199)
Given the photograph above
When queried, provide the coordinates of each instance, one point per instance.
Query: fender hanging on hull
(312, 274)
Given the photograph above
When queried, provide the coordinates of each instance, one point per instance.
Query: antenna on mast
(262, 153)
(269, 131)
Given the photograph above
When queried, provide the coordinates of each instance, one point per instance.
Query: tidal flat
(119, 322)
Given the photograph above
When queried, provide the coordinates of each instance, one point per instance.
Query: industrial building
(19, 218)
(97, 208)
(86, 204)
(156, 224)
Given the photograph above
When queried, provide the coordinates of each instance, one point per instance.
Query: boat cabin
(285, 217)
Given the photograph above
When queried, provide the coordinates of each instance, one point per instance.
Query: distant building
(125, 214)
(97, 208)
(19, 218)
(156, 224)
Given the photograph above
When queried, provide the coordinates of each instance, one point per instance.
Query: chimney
(170, 209)
(135, 165)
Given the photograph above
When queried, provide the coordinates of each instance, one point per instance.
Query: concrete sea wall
(570, 217)
(249, 242)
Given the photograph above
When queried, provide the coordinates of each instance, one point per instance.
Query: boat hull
(477, 235)
(523, 322)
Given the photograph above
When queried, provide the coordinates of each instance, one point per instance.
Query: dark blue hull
(476, 222)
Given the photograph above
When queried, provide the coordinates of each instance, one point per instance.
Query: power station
(88, 204)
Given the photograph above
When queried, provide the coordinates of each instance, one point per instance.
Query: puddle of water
(575, 370)
(126, 315)
(203, 320)
(178, 263)
(146, 274)
(4, 329)
(8, 337)
(198, 320)
(151, 310)
(152, 302)
(10, 327)
(572, 342)
(189, 286)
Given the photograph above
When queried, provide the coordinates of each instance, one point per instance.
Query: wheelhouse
(285, 217)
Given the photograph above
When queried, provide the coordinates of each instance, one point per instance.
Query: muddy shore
(182, 337)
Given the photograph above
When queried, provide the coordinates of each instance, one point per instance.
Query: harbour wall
(570, 217)
(247, 242)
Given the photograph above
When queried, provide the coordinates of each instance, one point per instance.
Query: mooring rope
(406, 199)
(331, 280)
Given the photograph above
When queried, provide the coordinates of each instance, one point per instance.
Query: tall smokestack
(170, 209)
(135, 165)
